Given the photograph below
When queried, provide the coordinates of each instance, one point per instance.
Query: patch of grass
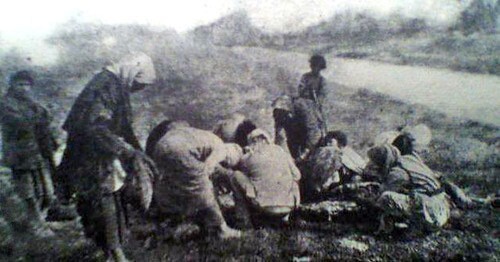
(204, 84)
(476, 53)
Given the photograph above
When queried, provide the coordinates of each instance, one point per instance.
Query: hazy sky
(25, 23)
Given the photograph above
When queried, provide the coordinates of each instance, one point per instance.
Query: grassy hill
(203, 83)
(470, 44)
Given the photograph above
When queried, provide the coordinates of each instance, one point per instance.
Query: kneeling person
(268, 186)
(332, 164)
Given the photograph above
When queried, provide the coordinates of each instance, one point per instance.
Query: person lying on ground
(408, 146)
(411, 193)
(187, 158)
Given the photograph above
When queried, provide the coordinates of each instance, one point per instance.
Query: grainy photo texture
(278, 130)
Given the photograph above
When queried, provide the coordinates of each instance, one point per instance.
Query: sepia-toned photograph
(250, 130)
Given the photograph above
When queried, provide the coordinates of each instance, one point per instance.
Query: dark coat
(99, 128)
(28, 140)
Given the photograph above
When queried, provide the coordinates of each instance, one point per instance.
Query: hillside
(471, 44)
(203, 83)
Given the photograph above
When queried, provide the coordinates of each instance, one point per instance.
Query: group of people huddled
(183, 170)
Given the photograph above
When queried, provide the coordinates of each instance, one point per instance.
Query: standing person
(28, 144)
(309, 104)
(100, 143)
(312, 84)
(187, 159)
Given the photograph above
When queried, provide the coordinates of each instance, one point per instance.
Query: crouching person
(267, 189)
(187, 158)
(332, 169)
(101, 144)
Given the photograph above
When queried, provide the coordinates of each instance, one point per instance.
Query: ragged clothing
(328, 167)
(27, 135)
(28, 145)
(310, 123)
(99, 128)
(411, 189)
(411, 174)
(273, 177)
(101, 144)
(432, 211)
(312, 87)
(321, 171)
(186, 159)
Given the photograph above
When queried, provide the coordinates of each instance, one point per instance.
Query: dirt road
(471, 96)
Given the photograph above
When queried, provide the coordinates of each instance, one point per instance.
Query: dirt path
(472, 96)
(460, 94)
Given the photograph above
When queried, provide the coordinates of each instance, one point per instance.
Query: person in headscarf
(29, 143)
(267, 187)
(101, 145)
(187, 159)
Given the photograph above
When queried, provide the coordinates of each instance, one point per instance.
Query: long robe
(99, 128)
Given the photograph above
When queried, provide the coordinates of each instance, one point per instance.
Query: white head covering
(421, 133)
(226, 129)
(179, 124)
(135, 66)
(386, 138)
(283, 102)
(256, 133)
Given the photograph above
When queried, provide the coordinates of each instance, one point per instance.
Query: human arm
(302, 87)
(293, 168)
(215, 157)
(99, 126)
(397, 180)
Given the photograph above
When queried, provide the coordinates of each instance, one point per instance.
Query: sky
(24, 24)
